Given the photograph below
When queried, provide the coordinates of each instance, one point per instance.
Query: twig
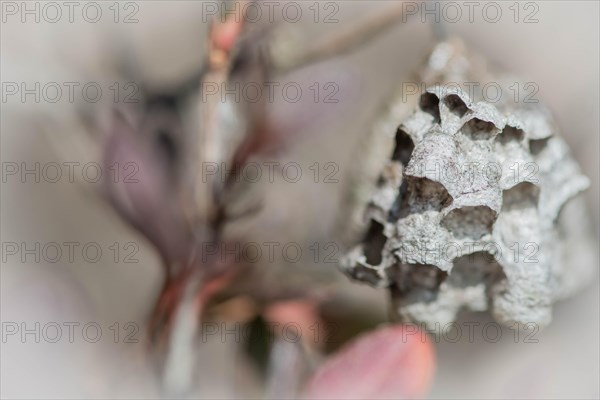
(344, 42)
(287, 362)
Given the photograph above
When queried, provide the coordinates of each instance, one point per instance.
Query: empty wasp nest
(474, 212)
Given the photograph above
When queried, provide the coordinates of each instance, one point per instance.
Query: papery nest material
(477, 207)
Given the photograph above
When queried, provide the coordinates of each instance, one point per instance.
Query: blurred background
(552, 43)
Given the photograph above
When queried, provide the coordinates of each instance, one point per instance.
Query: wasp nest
(471, 210)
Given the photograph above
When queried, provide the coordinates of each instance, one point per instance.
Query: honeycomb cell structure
(477, 209)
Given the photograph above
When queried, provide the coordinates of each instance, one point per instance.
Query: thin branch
(287, 363)
(344, 42)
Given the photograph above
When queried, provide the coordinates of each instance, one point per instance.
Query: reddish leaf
(392, 362)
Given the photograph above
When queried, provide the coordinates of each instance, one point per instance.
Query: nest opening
(430, 103)
(456, 105)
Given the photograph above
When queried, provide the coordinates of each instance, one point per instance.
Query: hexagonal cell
(510, 134)
(366, 274)
(418, 282)
(470, 222)
(404, 147)
(521, 196)
(396, 210)
(478, 129)
(374, 242)
(430, 103)
(536, 146)
(475, 268)
(425, 194)
(456, 105)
